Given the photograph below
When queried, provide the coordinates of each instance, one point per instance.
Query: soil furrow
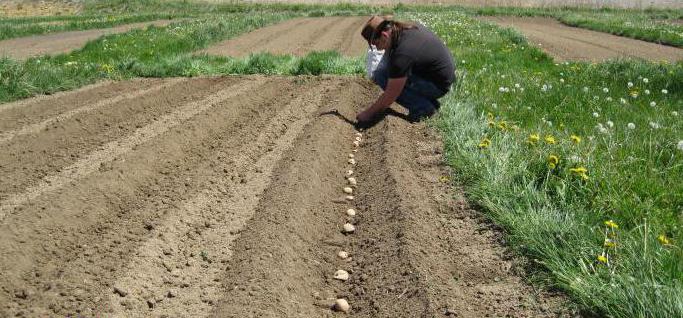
(257, 39)
(56, 102)
(65, 255)
(300, 38)
(307, 37)
(456, 254)
(352, 42)
(571, 43)
(94, 160)
(330, 36)
(284, 259)
(37, 127)
(28, 159)
(384, 281)
(228, 215)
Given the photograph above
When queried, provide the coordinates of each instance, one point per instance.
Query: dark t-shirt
(421, 52)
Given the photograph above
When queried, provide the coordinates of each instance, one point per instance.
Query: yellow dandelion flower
(584, 177)
(490, 116)
(553, 161)
(444, 179)
(579, 170)
(502, 125)
(549, 139)
(491, 123)
(663, 239)
(485, 143)
(634, 93)
(609, 243)
(611, 224)
(534, 138)
(602, 259)
(575, 139)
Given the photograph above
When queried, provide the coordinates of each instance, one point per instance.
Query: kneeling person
(417, 68)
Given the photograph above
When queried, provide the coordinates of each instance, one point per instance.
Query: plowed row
(222, 197)
(299, 37)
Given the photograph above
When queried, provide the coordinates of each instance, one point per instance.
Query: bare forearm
(382, 103)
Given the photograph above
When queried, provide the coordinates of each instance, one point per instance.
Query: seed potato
(349, 228)
(342, 305)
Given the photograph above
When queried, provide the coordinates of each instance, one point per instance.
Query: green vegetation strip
(19, 27)
(648, 25)
(579, 163)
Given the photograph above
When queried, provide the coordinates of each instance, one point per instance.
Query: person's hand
(364, 116)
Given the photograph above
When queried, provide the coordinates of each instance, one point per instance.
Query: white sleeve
(372, 61)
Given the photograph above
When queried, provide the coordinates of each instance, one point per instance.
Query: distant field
(509, 3)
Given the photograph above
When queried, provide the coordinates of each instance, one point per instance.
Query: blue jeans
(419, 95)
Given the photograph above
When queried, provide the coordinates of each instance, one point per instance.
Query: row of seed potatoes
(342, 304)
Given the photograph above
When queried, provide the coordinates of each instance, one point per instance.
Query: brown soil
(223, 197)
(56, 43)
(16, 8)
(570, 43)
(299, 37)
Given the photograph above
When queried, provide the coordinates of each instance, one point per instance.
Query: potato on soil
(341, 305)
(349, 228)
(356, 143)
(352, 181)
(349, 198)
(351, 212)
(349, 173)
(341, 275)
(352, 161)
(348, 190)
(351, 155)
(343, 254)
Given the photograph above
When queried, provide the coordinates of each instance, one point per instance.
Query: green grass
(18, 27)
(649, 25)
(552, 215)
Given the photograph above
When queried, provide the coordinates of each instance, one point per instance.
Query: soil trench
(566, 43)
(223, 197)
(63, 42)
(298, 37)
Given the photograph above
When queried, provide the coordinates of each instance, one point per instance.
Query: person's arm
(394, 89)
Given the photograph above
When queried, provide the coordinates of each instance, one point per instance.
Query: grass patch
(555, 151)
(19, 27)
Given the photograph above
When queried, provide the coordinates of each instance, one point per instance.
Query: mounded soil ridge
(298, 36)
(222, 197)
(566, 43)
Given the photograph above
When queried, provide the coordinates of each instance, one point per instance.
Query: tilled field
(223, 197)
(63, 42)
(576, 44)
(299, 37)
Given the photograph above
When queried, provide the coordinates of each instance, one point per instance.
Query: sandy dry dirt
(63, 42)
(299, 37)
(223, 197)
(567, 43)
